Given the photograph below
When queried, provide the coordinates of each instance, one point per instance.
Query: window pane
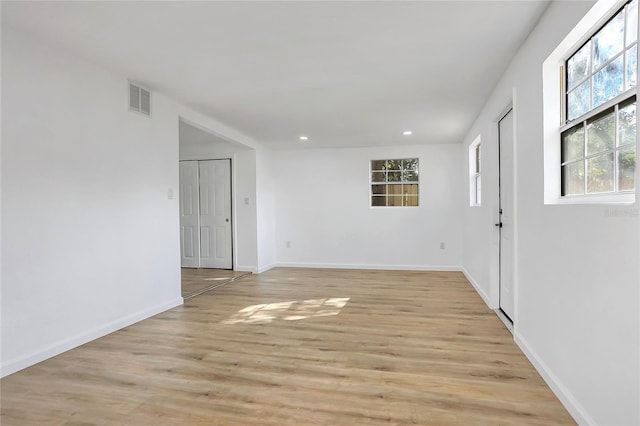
(478, 159)
(378, 201)
(600, 134)
(379, 189)
(608, 41)
(579, 66)
(394, 176)
(394, 189)
(410, 176)
(378, 164)
(478, 189)
(395, 200)
(410, 170)
(626, 169)
(632, 66)
(578, 100)
(627, 125)
(573, 144)
(632, 22)
(410, 189)
(410, 164)
(573, 178)
(394, 164)
(608, 82)
(600, 174)
(378, 177)
(411, 201)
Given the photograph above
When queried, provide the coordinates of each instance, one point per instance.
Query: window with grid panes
(394, 183)
(598, 153)
(475, 178)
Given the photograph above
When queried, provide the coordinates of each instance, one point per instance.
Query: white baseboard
(25, 361)
(574, 408)
(251, 269)
(479, 289)
(370, 266)
(266, 268)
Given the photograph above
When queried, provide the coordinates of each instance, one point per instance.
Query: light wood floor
(196, 280)
(298, 347)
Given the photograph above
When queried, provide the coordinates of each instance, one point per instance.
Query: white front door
(506, 223)
(215, 214)
(189, 212)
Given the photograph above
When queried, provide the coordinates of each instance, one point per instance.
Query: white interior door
(189, 215)
(215, 214)
(505, 143)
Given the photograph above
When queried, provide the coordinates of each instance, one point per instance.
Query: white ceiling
(344, 73)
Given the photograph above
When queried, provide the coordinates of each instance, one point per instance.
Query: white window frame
(475, 173)
(554, 104)
(372, 183)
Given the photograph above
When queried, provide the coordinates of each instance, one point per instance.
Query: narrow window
(598, 140)
(475, 177)
(394, 183)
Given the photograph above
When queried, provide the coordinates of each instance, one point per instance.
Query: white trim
(267, 267)
(251, 269)
(64, 345)
(479, 290)
(567, 399)
(443, 268)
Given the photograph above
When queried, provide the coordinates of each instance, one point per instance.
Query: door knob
(499, 225)
(226, 220)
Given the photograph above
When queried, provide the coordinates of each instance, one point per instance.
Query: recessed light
(407, 133)
(304, 138)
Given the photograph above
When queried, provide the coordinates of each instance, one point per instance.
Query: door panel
(506, 140)
(189, 220)
(215, 214)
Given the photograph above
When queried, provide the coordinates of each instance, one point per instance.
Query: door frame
(510, 323)
(232, 205)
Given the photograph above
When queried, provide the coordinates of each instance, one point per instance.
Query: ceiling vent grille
(139, 99)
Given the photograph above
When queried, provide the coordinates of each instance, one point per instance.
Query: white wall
(266, 188)
(577, 281)
(90, 238)
(324, 210)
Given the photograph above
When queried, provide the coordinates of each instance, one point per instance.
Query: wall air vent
(139, 99)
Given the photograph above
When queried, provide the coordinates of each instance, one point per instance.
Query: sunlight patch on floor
(288, 311)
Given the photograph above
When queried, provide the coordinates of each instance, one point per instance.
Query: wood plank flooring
(298, 347)
(196, 280)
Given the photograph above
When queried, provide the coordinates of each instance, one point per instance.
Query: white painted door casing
(506, 150)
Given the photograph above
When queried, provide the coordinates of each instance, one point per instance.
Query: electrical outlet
(288, 244)
(246, 201)
(441, 246)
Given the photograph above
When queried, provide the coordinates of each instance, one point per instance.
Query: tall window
(598, 152)
(394, 183)
(475, 178)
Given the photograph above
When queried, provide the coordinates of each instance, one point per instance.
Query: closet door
(189, 215)
(215, 214)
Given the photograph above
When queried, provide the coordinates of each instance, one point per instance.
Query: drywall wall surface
(90, 237)
(325, 218)
(245, 215)
(266, 209)
(576, 275)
